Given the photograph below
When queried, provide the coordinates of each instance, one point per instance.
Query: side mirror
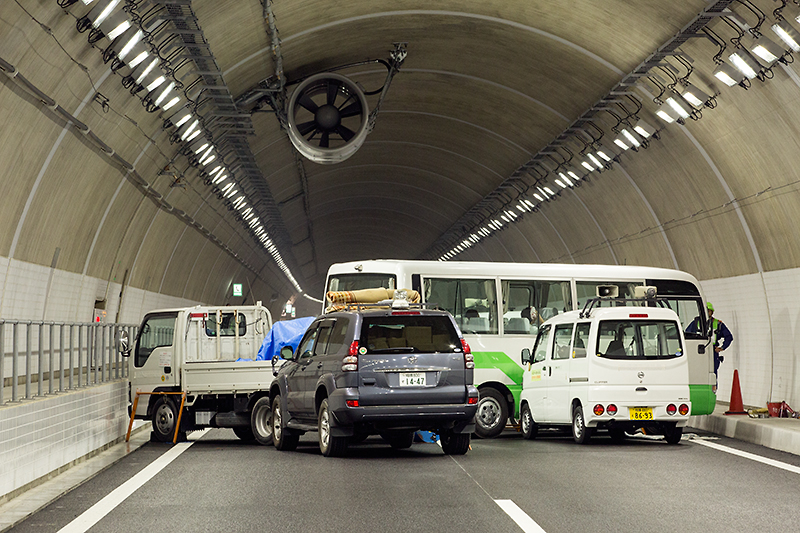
(526, 356)
(123, 344)
(286, 352)
(274, 362)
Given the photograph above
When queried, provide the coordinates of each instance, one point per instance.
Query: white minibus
(500, 306)
(619, 369)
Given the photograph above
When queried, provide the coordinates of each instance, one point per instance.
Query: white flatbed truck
(203, 357)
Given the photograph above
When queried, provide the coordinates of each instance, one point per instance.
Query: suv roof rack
(386, 304)
(590, 303)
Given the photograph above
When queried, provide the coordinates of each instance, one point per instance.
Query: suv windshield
(409, 333)
(640, 339)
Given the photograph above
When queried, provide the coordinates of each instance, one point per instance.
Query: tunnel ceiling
(486, 99)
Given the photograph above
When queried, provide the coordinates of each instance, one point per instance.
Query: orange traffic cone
(736, 407)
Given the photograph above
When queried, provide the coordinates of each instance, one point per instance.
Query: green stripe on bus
(500, 361)
(703, 399)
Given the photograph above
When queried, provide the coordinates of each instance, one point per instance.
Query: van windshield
(639, 339)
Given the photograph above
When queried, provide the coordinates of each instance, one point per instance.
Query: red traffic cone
(736, 407)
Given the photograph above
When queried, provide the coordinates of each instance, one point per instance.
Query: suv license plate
(412, 379)
(641, 413)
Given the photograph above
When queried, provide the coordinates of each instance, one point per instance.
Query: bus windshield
(354, 282)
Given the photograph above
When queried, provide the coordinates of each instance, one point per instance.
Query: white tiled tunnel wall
(40, 436)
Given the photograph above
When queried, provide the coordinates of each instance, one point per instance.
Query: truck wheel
(165, 416)
(280, 437)
(454, 443)
(261, 421)
(580, 432)
(244, 433)
(673, 435)
(530, 429)
(492, 414)
(329, 445)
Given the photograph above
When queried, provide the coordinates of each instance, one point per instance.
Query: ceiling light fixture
(787, 34)
(748, 66)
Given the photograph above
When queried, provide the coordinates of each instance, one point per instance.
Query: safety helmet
(710, 306)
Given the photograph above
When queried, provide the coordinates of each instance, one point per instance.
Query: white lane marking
(747, 455)
(519, 516)
(96, 512)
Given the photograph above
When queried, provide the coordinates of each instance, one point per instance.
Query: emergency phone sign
(237, 289)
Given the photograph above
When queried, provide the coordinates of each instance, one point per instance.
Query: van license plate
(412, 379)
(641, 413)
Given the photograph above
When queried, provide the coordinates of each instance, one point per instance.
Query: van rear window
(408, 333)
(639, 339)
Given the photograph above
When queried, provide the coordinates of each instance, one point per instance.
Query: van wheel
(282, 439)
(329, 445)
(530, 429)
(165, 417)
(580, 432)
(490, 420)
(454, 443)
(261, 421)
(673, 435)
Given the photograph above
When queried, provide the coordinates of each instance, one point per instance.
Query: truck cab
(615, 369)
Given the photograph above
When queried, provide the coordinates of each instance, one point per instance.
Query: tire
(530, 429)
(580, 432)
(244, 433)
(454, 443)
(261, 421)
(329, 445)
(282, 439)
(400, 440)
(165, 417)
(673, 435)
(490, 419)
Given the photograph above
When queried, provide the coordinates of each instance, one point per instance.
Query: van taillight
(350, 363)
(599, 410)
(611, 409)
(683, 409)
(469, 360)
(671, 409)
(638, 315)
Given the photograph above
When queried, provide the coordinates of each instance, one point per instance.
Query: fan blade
(323, 142)
(333, 88)
(307, 103)
(351, 110)
(306, 127)
(345, 132)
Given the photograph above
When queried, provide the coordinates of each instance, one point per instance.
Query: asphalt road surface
(217, 483)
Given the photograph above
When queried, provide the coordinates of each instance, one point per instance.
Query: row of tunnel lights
(108, 19)
(681, 105)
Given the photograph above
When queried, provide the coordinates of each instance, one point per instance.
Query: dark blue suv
(368, 371)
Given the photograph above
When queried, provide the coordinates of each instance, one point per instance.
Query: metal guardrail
(57, 356)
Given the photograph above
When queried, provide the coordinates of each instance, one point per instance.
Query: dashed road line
(525, 522)
(748, 455)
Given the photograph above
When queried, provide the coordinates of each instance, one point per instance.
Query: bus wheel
(580, 432)
(492, 414)
(529, 428)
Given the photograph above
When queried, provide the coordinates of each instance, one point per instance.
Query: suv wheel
(490, 420)
(329, 445)
(454, 443)
(282, 439)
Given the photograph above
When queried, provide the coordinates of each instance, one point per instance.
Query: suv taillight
(469, 360)
(350, 363)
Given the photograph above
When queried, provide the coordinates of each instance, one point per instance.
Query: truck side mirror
(123, 344)
(526, 356)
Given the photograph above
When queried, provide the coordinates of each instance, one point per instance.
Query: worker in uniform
(718, 332)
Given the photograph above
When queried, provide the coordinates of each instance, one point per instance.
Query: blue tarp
(283, 333)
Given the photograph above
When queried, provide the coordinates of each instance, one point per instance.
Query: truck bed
(226, 377)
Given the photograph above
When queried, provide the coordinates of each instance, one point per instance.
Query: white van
(619, 369)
